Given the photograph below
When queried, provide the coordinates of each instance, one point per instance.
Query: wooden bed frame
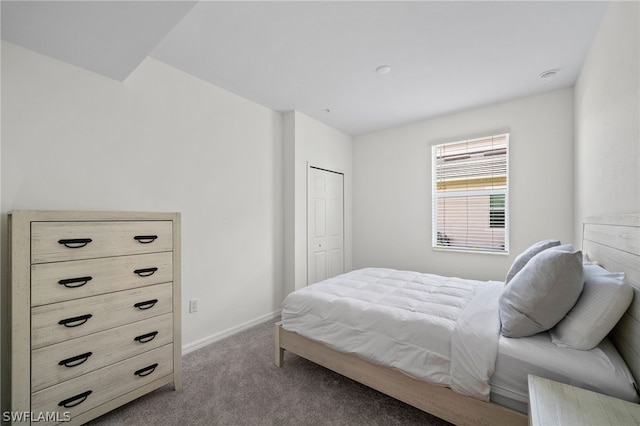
(612, 241)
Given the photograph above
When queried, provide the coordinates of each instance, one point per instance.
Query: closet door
(325, 224)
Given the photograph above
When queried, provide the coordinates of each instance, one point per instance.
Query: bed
(613, 242)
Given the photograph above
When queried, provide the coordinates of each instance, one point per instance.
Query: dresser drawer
(57, 322)
(63, 361)
(83, 393)
(62, 241)
(60, 281)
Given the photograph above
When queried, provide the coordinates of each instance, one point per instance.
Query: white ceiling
(319, 57)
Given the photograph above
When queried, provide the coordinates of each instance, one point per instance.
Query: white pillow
(542, 293)
(605, 298)
(527, 255)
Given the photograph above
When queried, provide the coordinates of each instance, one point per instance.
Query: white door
(325, 225)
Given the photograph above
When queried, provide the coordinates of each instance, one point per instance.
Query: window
(470, 195)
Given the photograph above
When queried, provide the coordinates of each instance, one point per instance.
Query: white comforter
(439, 329)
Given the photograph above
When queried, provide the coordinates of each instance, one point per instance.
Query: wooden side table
(553, 403)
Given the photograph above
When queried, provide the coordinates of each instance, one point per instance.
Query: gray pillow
(541, 293)
(527, 255)
(604, 299)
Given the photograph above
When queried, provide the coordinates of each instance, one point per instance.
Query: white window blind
(470, 195)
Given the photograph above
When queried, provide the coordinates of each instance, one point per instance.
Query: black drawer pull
(146, 272)
(75, 400)
(146, 337)
(75, 321)
(146, 371)
(75, 282)
(146, 305)
(76, 360)
(74, 243)
(145, 239)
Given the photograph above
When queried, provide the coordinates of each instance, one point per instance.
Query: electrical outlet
(193, 305)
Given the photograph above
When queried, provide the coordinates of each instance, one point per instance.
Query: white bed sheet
(440, 329)
(601, 369)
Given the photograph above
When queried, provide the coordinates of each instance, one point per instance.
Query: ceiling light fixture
(383, 69)
(548, 75)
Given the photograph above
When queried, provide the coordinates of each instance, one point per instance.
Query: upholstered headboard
(614, 242)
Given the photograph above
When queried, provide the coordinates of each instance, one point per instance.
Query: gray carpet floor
(235, 382)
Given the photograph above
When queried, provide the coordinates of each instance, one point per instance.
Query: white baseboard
(190, 347)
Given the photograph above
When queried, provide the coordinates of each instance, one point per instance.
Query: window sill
(478, 251)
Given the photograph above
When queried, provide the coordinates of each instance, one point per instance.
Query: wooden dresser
(94, 309)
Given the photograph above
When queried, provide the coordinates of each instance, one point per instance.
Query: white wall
(309, 142)
(607, 123)
(159, 141)
(392, 185)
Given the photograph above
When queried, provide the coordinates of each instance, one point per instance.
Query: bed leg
(279, 356)
(279, 351)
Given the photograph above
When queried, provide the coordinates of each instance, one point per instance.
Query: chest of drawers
(94, 310)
